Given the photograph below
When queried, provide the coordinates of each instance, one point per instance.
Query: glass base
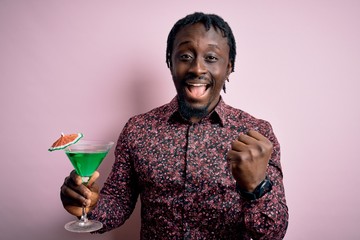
(81, 226)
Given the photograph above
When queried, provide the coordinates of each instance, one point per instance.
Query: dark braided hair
(208, 20)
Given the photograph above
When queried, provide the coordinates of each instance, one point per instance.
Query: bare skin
(200, 67)
(249, 157)
(74, 194)
(201, 56)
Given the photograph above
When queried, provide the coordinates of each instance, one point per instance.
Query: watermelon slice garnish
(65, 140)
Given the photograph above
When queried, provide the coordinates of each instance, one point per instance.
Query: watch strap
(264, 187)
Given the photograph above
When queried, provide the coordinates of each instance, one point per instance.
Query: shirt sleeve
(267, 217)
(119, 194)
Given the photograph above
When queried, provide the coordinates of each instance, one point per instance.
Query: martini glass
(86, 157)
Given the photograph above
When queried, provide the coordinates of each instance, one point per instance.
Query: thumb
(93, 178)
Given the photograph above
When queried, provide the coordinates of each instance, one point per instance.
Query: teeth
(197, 84)
(197, 89)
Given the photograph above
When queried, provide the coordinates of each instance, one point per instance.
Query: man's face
(200, 66)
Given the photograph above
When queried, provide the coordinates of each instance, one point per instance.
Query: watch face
(265, 187)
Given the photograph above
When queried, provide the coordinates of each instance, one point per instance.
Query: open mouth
(197, 89)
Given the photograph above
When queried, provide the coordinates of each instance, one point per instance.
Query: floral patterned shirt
(182, 175)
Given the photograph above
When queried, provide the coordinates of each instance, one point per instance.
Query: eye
(211, 58)
(185, 57)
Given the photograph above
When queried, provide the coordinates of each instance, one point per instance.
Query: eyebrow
(183, 43)
(186, 42)
(214, 45)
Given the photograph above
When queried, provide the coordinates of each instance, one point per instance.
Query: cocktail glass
(86, 157)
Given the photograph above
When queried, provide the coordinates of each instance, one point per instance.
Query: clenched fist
(249, 156)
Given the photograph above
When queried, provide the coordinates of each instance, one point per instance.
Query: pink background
(69, 66)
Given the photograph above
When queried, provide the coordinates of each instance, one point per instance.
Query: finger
(74, 210)
(230, 155)
(75, 177)
(94, 198)
(258, 136)
(93, 178)
(264, 143)
(236, 157)
(256, 140)
(239, 146)
(94, 188)
(72, 197)
(247, 139)
(79, 189)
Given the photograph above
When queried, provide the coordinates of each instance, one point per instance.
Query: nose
(198, 66)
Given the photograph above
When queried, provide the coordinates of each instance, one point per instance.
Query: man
(203, 169)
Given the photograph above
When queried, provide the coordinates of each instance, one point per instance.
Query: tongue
(198, 90)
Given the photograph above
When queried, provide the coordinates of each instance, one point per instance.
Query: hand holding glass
(86, 157)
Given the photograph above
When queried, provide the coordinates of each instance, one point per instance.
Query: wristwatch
(264, 187)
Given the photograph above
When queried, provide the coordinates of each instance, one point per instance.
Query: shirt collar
(218, 115)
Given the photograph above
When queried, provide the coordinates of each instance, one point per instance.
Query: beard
(187, 111)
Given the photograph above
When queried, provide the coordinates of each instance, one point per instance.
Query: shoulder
(237, 117)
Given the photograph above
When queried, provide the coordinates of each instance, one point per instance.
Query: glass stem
(84, 218)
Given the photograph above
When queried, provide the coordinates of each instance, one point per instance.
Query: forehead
(197, 34)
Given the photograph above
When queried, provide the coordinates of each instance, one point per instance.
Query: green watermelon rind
(66, 145)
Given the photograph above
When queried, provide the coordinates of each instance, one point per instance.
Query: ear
(170, 66)
(229, 69)
(171, 70)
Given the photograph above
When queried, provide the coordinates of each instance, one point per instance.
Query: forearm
(119, 195)
(267, 217)
(113, 210)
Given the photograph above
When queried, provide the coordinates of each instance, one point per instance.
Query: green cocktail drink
(85, 163)
(86, 157)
